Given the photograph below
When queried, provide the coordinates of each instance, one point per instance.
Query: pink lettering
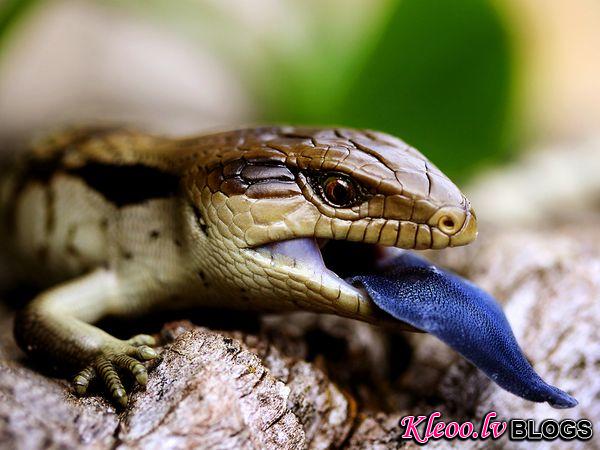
(438, 430)
(430, 429)
(485, 426)
(434, 429)
(466, 430)
(498, 429)
(451, 430)
(411, 428)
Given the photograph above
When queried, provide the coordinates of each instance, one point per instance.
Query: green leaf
(441, 79)
(10, 13)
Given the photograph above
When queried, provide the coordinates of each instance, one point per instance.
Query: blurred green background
(444, 75)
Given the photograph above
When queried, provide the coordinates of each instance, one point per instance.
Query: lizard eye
(339, 190)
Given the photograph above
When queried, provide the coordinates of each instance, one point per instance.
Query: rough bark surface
(307, 381)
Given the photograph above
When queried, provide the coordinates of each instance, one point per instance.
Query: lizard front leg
(56, 326)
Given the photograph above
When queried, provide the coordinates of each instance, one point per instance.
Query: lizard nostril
(446, 224)
(448, 219)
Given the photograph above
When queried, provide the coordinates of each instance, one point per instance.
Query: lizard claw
(125, 357)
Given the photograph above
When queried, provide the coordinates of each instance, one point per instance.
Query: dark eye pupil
(339, 191)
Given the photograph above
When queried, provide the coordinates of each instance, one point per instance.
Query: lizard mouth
(410, 290)
(332, 260)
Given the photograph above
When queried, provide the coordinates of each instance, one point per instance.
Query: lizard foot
(122, 355)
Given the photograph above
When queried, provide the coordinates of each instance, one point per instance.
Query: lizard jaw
(307, 252)
(321, 268)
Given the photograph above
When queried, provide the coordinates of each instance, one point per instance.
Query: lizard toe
(111, 380)
(132, 366)
(83, 380)
(143, 352)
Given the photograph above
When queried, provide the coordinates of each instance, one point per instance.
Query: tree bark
(310, 381)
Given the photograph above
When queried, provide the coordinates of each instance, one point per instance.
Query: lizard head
(303, 208)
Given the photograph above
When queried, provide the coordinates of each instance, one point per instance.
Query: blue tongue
(464, 317)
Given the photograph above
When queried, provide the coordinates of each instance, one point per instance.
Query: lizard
(115, 221)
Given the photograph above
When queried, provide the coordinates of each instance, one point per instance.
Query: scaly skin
(121, 222)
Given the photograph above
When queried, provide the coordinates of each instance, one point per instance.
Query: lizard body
(120, 222)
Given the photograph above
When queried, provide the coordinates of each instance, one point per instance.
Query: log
(314, 381)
